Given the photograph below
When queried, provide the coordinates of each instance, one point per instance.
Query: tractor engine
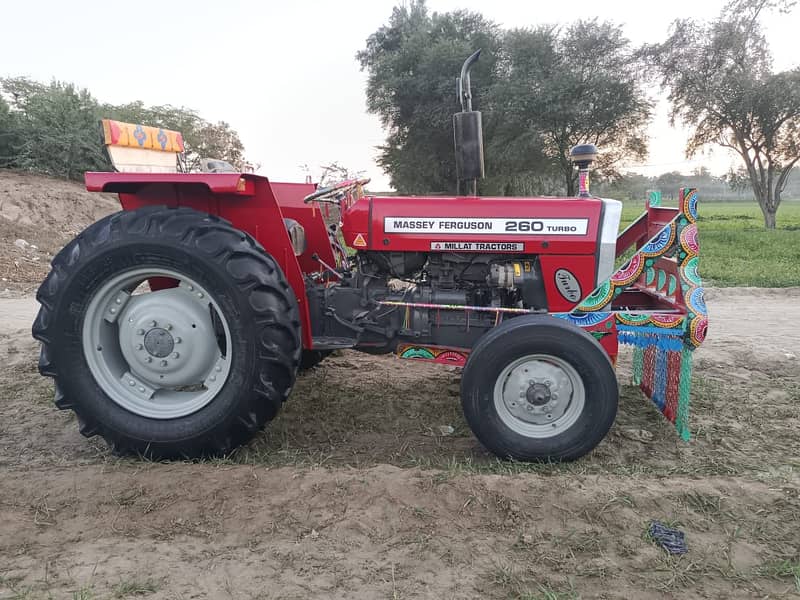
(480, 254)
(466, 279)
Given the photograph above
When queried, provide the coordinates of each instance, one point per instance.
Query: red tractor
(176, 327)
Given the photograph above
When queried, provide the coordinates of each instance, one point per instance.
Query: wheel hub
(158, 354)
(168, 337)
(539, 395)
(158, 342)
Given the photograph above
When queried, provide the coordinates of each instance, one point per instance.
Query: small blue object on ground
(672, 540)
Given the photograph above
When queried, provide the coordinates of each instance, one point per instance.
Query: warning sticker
(488, 226)
(478, 246)
(359, 242)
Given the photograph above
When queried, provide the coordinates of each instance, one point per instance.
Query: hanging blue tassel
(643, 339)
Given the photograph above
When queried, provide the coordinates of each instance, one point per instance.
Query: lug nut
(131, 382)
(178, 340)
(112, 310)
(164, 363)
(191, 288)
(118, 301)
(139, 346)
(140, 332)
(148, 359)
(199, 294)
(218, 368)
(213, 378)
(153, 323)
(141, 389)
(175, 355)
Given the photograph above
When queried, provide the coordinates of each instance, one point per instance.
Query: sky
(284, 74)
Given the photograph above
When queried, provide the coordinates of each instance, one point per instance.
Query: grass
(135, 587)
(736, 250)
(123, 589)
(783, 569)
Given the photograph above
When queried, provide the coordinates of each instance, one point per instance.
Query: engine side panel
(513, 225)
(564, 233)
(567, 279)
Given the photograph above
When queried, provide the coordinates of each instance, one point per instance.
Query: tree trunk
(570, 183)
(769, 218)
(769, 209)
(763, 193)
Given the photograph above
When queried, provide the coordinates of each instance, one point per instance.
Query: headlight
(297, 236)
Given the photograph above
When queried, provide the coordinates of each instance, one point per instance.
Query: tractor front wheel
(538, 388)
(168, 332)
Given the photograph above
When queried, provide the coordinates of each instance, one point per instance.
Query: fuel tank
(574, 238)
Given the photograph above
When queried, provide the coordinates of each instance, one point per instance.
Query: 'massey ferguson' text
(493, 226)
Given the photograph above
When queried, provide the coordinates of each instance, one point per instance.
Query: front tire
(194, 368)
(537, 388)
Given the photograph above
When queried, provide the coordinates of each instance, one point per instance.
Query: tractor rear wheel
(537, 388)
(168, 332)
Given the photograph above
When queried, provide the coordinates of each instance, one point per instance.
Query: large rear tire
(538, 388)
(194, 368)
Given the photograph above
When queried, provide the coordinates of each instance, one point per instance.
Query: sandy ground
(354, 493)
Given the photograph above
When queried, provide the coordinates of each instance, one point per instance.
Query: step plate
(333, 343)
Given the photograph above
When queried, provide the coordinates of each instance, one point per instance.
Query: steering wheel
(332, 192)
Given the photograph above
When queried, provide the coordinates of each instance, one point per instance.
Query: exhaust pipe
(468, 135)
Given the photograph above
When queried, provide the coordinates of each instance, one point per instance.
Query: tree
(8, 133)
(562, 87)
(541, 92)
(721, 83)
(412, 64)
(55, 128)
(630, 186)
(334, 172)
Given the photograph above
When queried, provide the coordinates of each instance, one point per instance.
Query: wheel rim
(539, 396)
(162, 354)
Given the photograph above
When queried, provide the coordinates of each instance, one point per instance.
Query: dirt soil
(44, 213)
(370, 485)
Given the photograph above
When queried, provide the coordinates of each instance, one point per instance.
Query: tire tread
(278, 332)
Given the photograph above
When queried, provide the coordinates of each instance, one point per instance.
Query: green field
(736, 250)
